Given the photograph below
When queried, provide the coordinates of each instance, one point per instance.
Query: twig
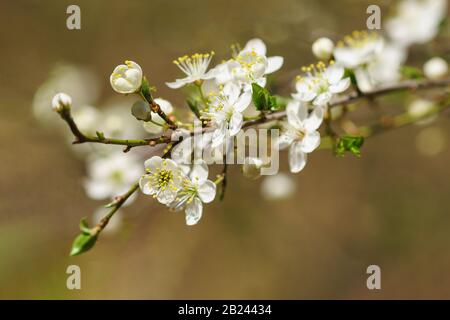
(115, 205)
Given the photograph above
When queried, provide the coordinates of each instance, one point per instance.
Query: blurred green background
(389, 208)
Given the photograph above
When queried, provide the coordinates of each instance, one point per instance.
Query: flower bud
(252, 168)
(61, 101)
(323, 48)
(435, 68)
(141, 111)
(126, 78)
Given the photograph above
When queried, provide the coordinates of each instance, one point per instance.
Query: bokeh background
(390, 207)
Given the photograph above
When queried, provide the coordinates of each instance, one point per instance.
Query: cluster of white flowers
(170, 185)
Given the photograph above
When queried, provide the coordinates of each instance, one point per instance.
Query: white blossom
(278, 187)
(126, 78)
(300, 133)
(60, 101)
(195, 190)
(435, 68)
(358, 49)
(416, 21)
(194, 67)
(162, 179)
(225, 112)
(111, 175)
(323, 48)
(320, 83)
(383, 70)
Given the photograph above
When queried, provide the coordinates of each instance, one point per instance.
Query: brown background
(389, 208)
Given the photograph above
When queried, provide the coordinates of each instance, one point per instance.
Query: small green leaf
(350, 144)
(412, 73)
(84, 226)
(100, 135)
(262, 99)
(350, 74)
(146, 90)
(82, 243)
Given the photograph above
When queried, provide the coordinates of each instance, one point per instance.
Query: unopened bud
(61, 101)
(323, 48)
(141, 111)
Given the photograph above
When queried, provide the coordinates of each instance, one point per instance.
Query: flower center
(194, 65)
(358, 39)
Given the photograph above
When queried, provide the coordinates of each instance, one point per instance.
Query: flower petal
(153, 163)
(193, 212)
(207, 191)
(243, 101)
(297, 158)
(341, 86)
(322, 99)
(235, 123)
(257, 45)
(310, 142)
(334, 73)
(315, 119)
(274, 64)
(178, 83)
(199, 172)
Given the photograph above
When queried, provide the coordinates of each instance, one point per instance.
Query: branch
(115, 205)
(80, 137)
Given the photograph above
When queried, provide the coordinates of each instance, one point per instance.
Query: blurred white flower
(419, 108)
(300, 133)
(431, 141)
(383, 70)
(126, 78)
(278, 187)
(157, 124)
(87, 119)
(194, 67)
(79, 83)
(112, 175)
(435, 68)
(323, 48)
(358, 49)
(196, 189)
(416, 21)
(60, 101)
(225, 111)
(320, 83)
(162, 179)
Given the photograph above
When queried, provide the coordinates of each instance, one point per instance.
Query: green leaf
(100, 135)
(146, 90)
(349, 144)
(82, 243)
(350, 74)
(412, 73)
(84, 226)
(262, 99)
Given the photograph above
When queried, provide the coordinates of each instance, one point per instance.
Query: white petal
(153, 163)
(334, 73)
(297, 158)
(322, 99)
(274, 64)
(304, 96)
(98, 190)
(146, 188)
(310, 142)
(193, 212)
(235, 123)
(284, 141)
(243, 101)
(165, 105)
(166, 196)
(341, 86)
(178, 83)
(199, 172)
(232, 91)
(315, 119)
(257, 45)
(207, 191)
(293, 114)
